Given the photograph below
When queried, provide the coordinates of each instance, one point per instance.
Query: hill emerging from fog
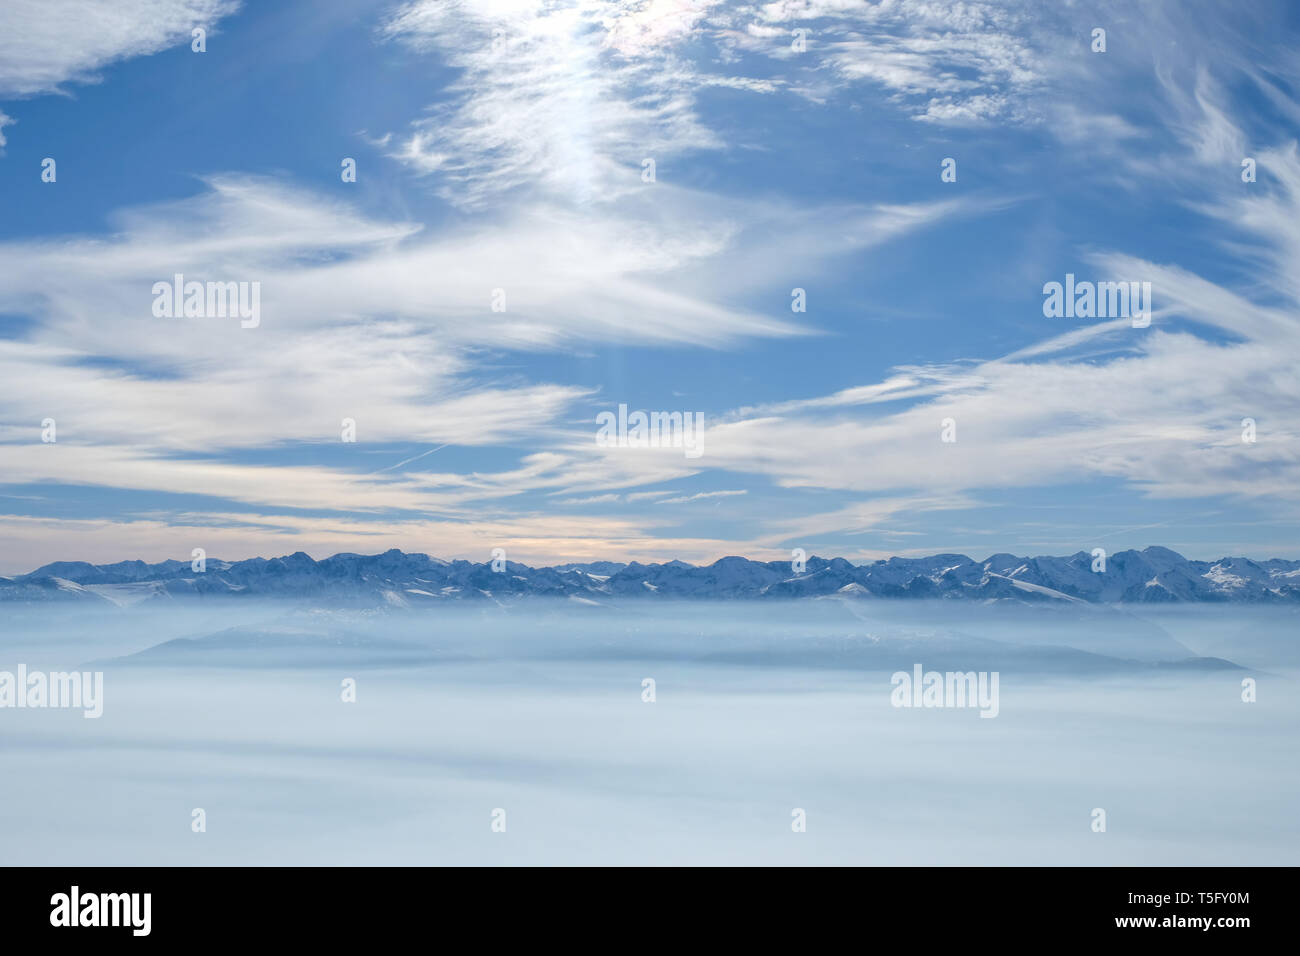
(1153, 574)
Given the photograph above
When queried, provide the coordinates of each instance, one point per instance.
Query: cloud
(372, 320)
(45, 44)
(564, 277)
(567, 101)
(701, 495)
(950, 64)
(27, 542)
(592, 500)
(563, 100)
(1158, 410)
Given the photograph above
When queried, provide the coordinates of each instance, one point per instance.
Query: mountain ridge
(1152, 575)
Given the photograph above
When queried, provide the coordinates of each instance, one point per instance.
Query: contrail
(409, 460)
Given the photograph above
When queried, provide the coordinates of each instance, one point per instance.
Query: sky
(507, 266)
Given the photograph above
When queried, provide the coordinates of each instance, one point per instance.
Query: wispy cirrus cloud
(564, 100)
(533, 538)
(361, 318)
(700, 495)
(47, 43)
(946, 64)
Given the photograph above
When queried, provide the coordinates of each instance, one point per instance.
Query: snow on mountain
(397, 578)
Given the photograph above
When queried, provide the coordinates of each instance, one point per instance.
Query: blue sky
(500, 145)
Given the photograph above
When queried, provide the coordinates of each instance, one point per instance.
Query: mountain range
(397, 578)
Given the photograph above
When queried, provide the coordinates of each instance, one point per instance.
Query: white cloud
(45, 44)
(558, 99)
(27, 543)
(701, 495)
(375, 321)
(952, 64)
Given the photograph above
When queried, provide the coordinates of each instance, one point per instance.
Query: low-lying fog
(540, 709)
